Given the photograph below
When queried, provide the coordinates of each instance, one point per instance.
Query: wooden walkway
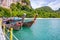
(2, 37)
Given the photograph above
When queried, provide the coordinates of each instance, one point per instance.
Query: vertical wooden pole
(4, 28)
(0, 21)
(11, 34)
(23, 19)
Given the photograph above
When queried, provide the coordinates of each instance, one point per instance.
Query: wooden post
(4, 29)
(0, 21)
(11, 34)
(23, 19)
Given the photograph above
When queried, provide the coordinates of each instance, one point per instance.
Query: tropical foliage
(18, 10)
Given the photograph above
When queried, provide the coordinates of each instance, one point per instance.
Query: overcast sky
(54, 4)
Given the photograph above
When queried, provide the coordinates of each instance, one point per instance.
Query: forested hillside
(18, 10)
(47, 12)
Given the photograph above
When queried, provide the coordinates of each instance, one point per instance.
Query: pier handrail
(10, 31)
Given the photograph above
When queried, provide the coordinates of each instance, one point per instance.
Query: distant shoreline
(42, 18)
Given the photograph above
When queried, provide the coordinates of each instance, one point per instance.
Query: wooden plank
(2, 37)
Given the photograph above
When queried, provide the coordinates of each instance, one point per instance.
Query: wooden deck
(2, 37)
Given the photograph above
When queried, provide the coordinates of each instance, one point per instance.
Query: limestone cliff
(7, 3)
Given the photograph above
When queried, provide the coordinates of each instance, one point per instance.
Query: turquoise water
(42, 29)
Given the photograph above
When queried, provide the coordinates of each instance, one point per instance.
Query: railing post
(4, 29)
(11, 33)
(0, 21)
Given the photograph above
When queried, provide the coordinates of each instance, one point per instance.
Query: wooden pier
(2, 37)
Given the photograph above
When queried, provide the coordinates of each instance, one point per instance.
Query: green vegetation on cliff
(18, 10)
(47, 12)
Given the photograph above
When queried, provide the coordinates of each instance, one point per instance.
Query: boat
(29, 23)
(12, 23)
(11, 19)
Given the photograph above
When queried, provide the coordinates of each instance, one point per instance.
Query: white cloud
(38, 3)
(54, 4)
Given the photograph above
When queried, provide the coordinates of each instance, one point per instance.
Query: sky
(54, 4)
